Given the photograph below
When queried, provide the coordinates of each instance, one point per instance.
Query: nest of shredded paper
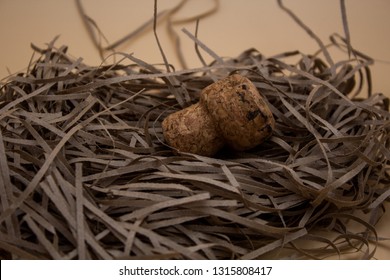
(85, 172)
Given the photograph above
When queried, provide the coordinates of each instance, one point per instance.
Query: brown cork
(231, 111)
(192, 130)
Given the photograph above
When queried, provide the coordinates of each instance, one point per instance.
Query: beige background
(237, 26)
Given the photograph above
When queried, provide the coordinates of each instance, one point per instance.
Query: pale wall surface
(237, 26)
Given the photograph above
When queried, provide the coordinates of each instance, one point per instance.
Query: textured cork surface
(240, 113)
(231, 111)
(192, 130)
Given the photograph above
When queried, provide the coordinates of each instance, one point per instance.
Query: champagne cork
(230, 112)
